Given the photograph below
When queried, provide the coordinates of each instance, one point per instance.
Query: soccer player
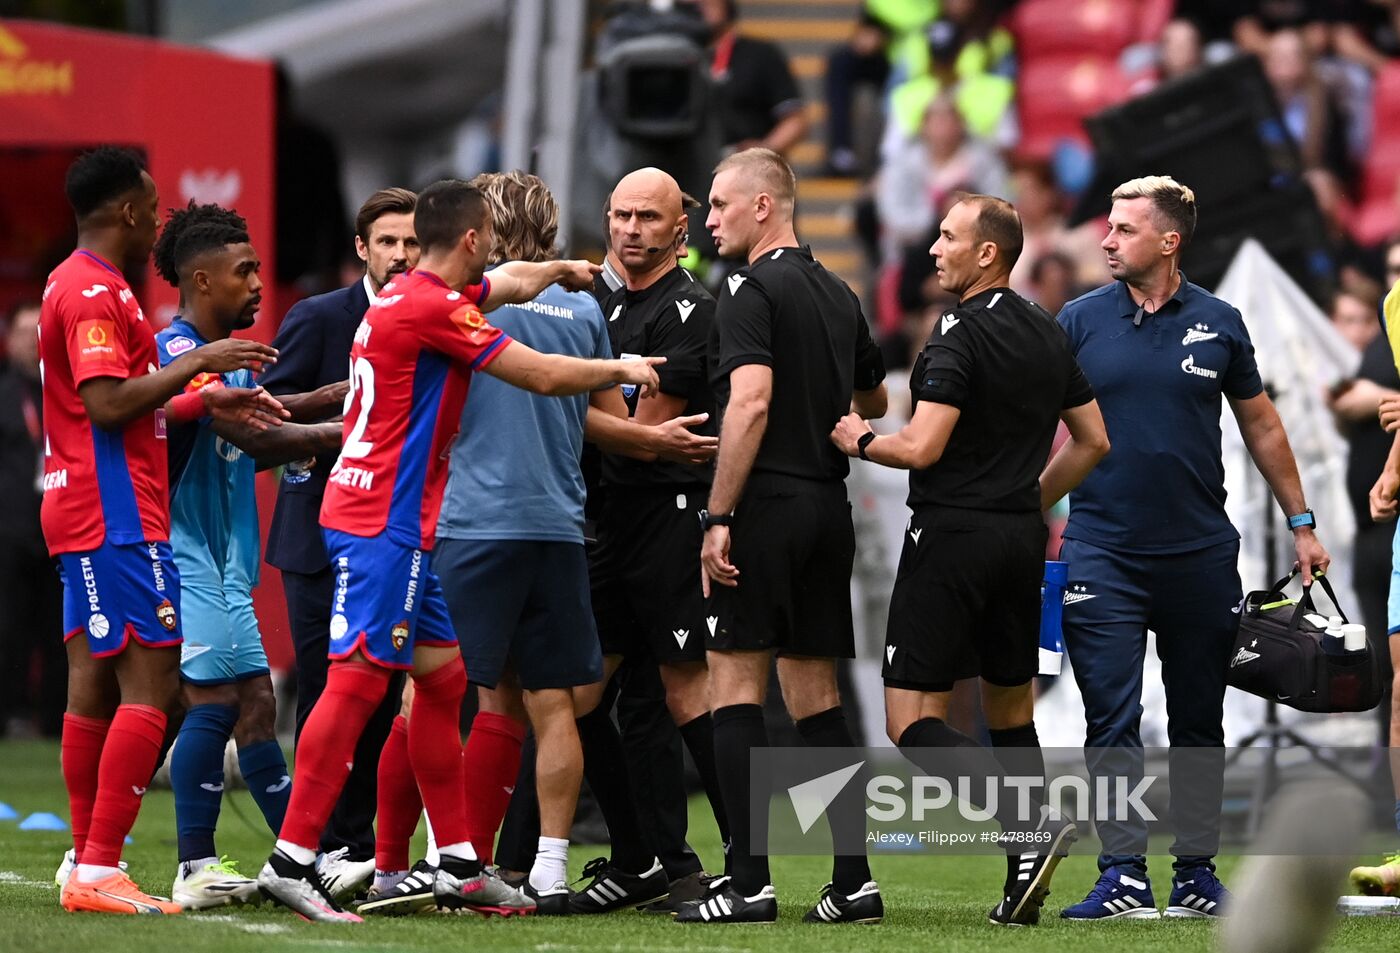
(991, 385)
(643, 569)
(313, 343)
(795, 355)
(106, 512)
(411, 365)
(214, 535)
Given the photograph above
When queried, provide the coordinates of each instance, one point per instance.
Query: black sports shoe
(612, 888)
(683, 890)
(413, 894)
(728, 905)
(553, 902)
(863, 906)
(299, 887)
(1028, 879)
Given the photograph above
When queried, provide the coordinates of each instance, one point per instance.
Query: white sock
(388, 879)
(296, 853)
(551, 863)
(91, 873)
(188, 867)
(462, 850)
(432, 856)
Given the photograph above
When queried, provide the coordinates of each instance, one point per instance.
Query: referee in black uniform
(991, 385)
(645, 600)
(795, 355)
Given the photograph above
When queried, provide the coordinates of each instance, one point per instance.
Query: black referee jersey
(788, 312)
(1006, 365)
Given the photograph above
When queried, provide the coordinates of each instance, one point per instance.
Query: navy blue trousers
(1189, 601)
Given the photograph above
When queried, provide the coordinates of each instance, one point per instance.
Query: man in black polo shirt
(795, 355)
(991, 385)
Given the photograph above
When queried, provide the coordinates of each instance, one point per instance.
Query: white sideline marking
(14, 879)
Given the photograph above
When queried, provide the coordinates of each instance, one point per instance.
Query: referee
(994, 379)
(795, 355)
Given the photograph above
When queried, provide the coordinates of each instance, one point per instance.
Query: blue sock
(197, 775)
(264, 768)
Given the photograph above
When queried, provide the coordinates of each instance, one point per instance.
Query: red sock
(327, 747)
(435, 748)
(492, 763)
(128, 761)
(399, 801)
(81, 752)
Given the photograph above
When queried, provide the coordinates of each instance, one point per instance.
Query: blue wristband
(1299, 520)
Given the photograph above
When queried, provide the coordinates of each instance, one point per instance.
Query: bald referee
(795, 355)
(991, 385)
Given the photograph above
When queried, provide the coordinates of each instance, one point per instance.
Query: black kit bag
(1278, 655)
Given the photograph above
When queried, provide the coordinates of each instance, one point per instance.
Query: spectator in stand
(970, 57)
(759, 103)
(1370, 35)
(888, 39)
(1178, 51)
(1309, 111)
(918, 180)
(1354, 405)
(31, 596)
(1042, 209)
(1052, 281)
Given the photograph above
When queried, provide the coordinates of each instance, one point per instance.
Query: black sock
(846, 814)
(699, 737)
(1018, 752)
(460, 867)
(738, 730)
(943, 751)
(605, 767)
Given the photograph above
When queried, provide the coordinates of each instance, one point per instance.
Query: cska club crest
(399, 635)
(165, 612)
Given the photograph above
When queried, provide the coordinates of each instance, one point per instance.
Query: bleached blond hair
(1173, 204)
(524, 216)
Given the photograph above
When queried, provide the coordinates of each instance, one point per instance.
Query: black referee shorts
(793, 544)
(645, 573)
(966, 600)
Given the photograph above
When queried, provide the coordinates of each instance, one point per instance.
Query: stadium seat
(1056, 93)
(1054, 27)
(1386, 106)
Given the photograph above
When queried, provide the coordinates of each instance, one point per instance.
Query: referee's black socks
(943, 751)
(699, 737)
(738, 730)
(605, 767)
(846, 814)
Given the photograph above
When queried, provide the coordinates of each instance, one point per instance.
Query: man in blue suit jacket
(314, 355)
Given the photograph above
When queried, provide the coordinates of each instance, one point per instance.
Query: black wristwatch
(866, 439)
(1305, 518)
(708, 519)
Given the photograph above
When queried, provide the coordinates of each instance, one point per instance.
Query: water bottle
(1052, 604)
(1332, 642)
(1353, 638)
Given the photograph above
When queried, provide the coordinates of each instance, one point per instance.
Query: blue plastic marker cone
(8, 813)
(43, 821)
(128, 840)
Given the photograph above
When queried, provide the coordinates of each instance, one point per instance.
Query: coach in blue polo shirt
(1148, 542)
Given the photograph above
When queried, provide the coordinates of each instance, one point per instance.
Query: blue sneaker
(1120, 894)
(1197, 893)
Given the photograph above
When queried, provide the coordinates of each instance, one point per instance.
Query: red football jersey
(410, 367)
(99, 485)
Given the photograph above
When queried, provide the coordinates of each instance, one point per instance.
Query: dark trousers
(845, 70)
(309, 614)
(1186, 599)
(33, 662)
(1370, 570)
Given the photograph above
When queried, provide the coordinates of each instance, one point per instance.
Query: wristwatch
(708, 519)
(1305, 518)
(866, 439)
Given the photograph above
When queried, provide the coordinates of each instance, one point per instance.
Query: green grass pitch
(932, 903)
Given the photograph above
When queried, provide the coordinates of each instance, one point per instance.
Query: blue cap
(43, 821)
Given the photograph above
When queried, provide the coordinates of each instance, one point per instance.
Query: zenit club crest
(399, 635)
